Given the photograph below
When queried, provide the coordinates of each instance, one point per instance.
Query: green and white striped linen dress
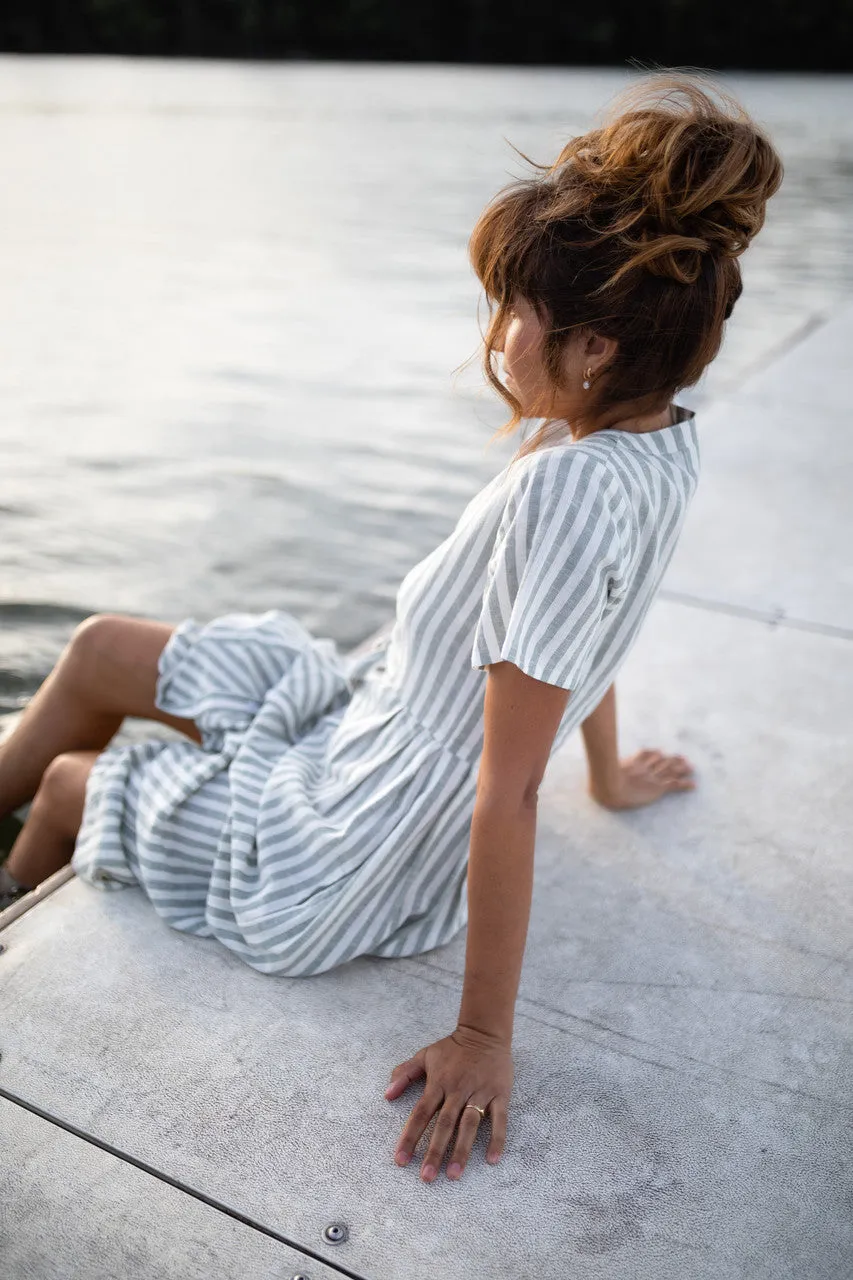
(327, 812)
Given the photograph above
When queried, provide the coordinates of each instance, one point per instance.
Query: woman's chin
(512, 386)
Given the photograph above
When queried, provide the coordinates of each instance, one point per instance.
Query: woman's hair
(633, 233)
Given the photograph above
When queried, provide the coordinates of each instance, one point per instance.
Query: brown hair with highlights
(633, 233)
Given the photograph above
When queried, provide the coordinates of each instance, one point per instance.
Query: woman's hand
(642, 778)
(466, 1066)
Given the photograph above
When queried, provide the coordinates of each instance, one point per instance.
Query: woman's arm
(500, 887)
(521, 718)
(474, 1063)
(602, 750)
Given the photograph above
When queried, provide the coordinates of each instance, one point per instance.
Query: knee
(61, 792)
(94, 639)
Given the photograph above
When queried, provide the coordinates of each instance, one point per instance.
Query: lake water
(236, 300)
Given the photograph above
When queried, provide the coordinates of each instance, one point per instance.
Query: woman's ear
(600, 350)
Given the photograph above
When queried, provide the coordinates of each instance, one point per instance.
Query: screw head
(300, 1275)
(335, 1233)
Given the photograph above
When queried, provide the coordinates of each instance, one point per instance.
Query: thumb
(403, 1075)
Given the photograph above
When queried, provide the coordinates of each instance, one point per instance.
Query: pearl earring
(586, 379)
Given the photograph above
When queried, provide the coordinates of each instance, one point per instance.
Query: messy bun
(634, 233)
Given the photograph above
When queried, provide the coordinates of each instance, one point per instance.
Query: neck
(649, 422)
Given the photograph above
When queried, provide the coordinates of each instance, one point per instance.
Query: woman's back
(553, 566)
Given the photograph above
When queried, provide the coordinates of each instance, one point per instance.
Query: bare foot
(645, 777)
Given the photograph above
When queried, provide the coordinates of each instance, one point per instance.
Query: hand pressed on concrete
(644, 777)
(466, 1066)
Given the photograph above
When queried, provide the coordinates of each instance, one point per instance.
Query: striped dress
(327, 812)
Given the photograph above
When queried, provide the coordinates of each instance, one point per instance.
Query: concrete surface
(70, 1210)
(771, 523)
(683, 1105)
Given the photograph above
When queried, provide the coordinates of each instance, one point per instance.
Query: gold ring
(482, 1110)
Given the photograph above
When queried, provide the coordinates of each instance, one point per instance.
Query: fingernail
(402, 1157)
(492, 1159)
(454, 1170)
(428, 1173)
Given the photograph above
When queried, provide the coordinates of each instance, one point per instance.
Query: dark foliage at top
(774, 34)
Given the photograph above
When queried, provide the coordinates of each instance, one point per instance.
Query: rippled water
(235, 300)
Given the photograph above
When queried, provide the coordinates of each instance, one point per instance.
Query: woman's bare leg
(47, 840)
(108, 670)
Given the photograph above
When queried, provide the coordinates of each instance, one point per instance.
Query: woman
(322, 807)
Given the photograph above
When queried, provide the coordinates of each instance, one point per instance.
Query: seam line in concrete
(243, 1218)
(774, 617)
(535, 1011)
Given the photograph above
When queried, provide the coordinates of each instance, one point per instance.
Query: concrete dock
(683, 1103)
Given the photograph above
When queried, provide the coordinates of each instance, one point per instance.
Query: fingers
(447, 1120)
(497, 1114)
(421, 1114)
(403, 1075)
(650, 755)
(451, 1112)
(468, 1126)
(667, 767)
(673, 771)
(676, 770)
(671, 778)
(469, 1123)
(454, 1112)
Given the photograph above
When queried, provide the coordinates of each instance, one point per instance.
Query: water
(235, 302)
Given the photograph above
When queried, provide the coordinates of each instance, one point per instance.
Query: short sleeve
(556, 554)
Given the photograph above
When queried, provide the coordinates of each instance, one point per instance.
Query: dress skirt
(317, 821)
